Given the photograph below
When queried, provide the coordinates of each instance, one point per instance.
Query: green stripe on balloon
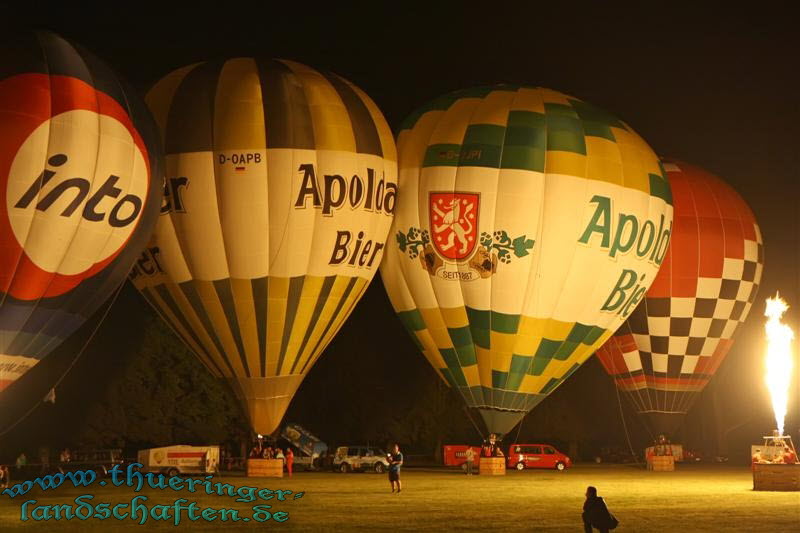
(525, 143)
(412, 320)
(659, 187)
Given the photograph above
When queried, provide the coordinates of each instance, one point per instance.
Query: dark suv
(101, 461)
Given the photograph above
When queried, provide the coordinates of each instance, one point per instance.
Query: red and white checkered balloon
(671, 345)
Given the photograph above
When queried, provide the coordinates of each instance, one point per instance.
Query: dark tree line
(136, 386)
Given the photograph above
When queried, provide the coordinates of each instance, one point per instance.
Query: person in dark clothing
(395, 461)
(596, 514)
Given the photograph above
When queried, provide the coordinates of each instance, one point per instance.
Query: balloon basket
(776, 477)
(265, 468)
(492, 466)
(661, 463)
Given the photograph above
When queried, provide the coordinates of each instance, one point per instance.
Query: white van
(180, 459)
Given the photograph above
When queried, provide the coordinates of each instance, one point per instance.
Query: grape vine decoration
(505, 246)
(413, 241)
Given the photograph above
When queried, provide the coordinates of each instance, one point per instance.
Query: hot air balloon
(668, 350)
(78, 201)
(529, 223)
(281, 187)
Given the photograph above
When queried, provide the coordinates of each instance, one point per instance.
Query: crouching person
(595, 513)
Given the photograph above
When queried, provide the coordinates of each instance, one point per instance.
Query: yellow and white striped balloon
(280, 190)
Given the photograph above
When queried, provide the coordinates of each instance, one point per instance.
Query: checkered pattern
(673, 343)
(541, 126)
(501, 361)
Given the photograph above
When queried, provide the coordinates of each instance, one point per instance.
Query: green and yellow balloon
(280, 191)
(529, 225)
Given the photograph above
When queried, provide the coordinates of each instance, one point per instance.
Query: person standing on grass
(5, 477)
(289, 460)
(395, 462)
(21, 462)
(595, 513)
(470, 456)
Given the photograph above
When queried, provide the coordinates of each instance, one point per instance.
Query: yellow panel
(567, 163)
(309, 295)
(455, 317)
(208, 295)
(633, 163)
(502, 342)
(493, 109)
(604, 161)
(484, 365)
(436, 326)
(411, 144)
(528, 100)
(530, 333)
(649, 159)
(532, 384)
(557, 330)
(242, 291)
(332, 127)
(277, 293)
(501, 361)
(453, 123)
(550, 96)
(334, 296)
(359, 287)
(472, 375)
(238, 108)
(442, 337)
(531, 327)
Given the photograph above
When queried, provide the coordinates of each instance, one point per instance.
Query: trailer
(180, 459)
(308, 446)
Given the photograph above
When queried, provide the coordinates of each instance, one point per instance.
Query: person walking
(395, 462)
(595, 513)
(289, 461)
(470, 457)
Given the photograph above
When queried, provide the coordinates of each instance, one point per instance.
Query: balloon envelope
(528, 224)
(281, 185)
(78, 150)
(676, 339)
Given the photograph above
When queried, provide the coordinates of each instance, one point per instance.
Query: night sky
(713, 86)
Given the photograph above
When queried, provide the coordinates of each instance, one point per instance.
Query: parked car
(360, 458)
(522, 456)
(101, 461)
(615, 454)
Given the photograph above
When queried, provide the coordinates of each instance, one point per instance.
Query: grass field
(693, 498)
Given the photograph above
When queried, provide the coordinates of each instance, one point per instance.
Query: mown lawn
(694, 498)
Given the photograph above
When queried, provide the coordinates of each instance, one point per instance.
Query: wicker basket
(492, 466)
(661, 463)
(265, 468)
(776, 477)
